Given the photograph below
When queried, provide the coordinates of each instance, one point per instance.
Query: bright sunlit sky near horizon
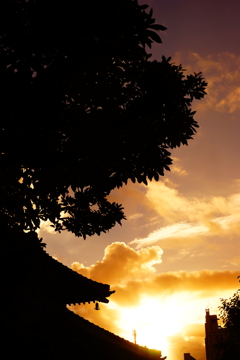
(178, 252)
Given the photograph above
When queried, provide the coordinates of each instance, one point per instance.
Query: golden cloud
(179, 344)
(194, 330)
(46, 228)
(190, 217)
(132, 274)
(231, 102)
(173, 206)
(120, 263)
(222, 72)
(203, 283)
(178, 169)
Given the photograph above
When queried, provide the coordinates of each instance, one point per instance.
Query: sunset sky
(178, 252)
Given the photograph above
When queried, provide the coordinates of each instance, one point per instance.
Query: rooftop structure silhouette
(214, 333)
(34, 315)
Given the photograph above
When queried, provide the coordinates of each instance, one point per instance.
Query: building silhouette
(187, 356)
(214, 333)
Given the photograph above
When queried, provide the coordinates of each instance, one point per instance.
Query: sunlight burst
(154, 320)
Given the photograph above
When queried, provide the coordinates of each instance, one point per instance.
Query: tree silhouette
(84, 110)
(229, 346)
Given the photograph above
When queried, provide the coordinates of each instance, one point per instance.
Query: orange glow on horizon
(170, 324)
(154, 321)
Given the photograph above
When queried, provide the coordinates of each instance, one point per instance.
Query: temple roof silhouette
(36, 322)
(78, 289)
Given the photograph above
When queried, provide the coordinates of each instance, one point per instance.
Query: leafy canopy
(229, 311)
(84, 110)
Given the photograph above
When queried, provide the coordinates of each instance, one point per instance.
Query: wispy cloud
(222, 72)
(179, 230)
(173, 206)
(178, 169)
(135, 216)
(190, 216)
(231, 102)
(227, 224)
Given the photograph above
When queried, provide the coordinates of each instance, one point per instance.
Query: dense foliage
(229, 346)
(84, 110)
